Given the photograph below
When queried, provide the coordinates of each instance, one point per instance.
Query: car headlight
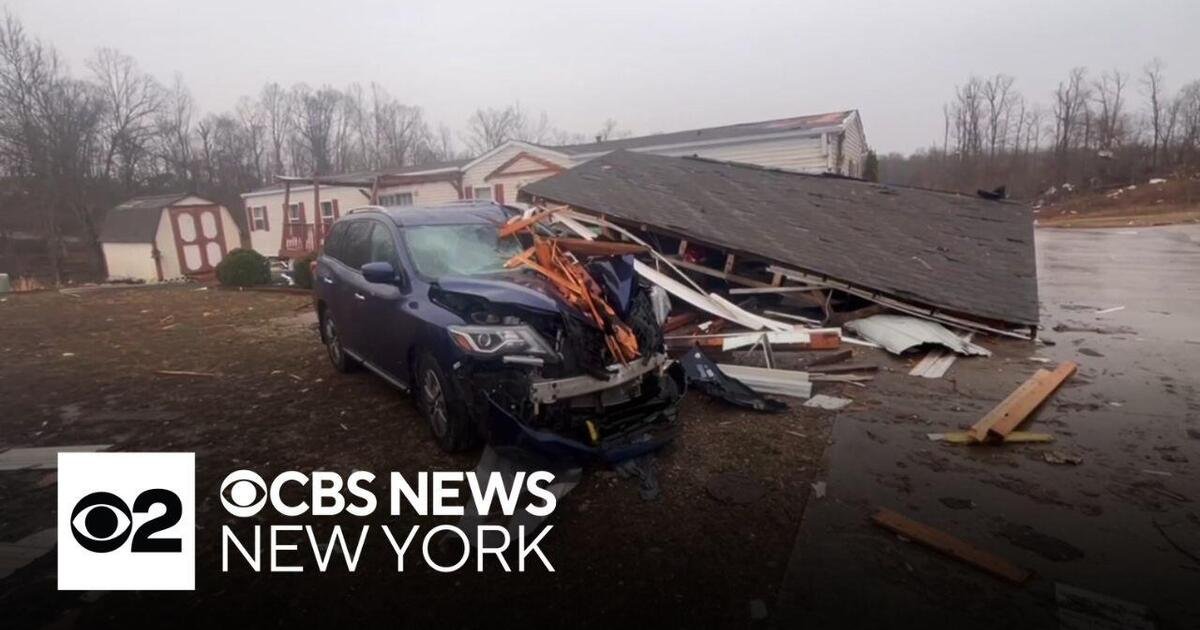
(494, 341)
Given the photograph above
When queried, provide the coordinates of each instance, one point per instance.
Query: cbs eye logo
(243, 493)
(101, 522)
(126, 521)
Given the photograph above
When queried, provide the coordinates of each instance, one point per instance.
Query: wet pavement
(1123, 523)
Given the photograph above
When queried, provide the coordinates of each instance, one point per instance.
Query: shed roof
(764, 127)
(955, 252)
(136, 220)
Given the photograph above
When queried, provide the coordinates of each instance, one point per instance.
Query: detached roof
(367, 178)
(780, 125)
(954, 252)
(136, 220)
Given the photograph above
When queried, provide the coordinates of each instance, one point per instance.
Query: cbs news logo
(126, 521)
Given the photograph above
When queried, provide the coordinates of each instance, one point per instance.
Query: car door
(389, 323)
(349, 287)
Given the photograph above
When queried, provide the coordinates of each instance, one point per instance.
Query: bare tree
(1152, 83)
(174, 132)
(316, 118)
(1109, 97)
(276, 104)
(131, 100)
(1069, 109)
(489, 128)
(610, 130)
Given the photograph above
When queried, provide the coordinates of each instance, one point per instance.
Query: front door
(199, 238)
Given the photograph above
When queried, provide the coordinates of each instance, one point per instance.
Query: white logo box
(127, 475)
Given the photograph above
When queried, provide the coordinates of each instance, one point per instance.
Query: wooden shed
(165, 237)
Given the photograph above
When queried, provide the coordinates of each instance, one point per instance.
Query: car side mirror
(383, 273)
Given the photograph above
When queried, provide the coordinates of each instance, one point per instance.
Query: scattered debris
(962, 437)
(736, 488)
(950, 546)
(833, 403)
(1006, 416)
(1114, 309)
(1079, 609)
(955, 503)
(706, 376)
(818, 488)
(900, 333)
(42, 457)
(186, 373)
(769, 381)
(1059, 457)
(1048, 547)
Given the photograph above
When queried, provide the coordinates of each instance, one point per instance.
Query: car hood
(518, 288)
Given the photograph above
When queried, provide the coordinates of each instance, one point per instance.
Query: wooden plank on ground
(1013, 410)
(951, 546)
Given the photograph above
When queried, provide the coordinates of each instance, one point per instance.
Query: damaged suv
(423, 298)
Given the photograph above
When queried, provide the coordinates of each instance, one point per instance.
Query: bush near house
(243, 268)
(302, 271)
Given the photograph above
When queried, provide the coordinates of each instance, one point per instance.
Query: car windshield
(452, 250)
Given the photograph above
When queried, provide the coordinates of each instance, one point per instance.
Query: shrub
(243, 268)
(302, 270)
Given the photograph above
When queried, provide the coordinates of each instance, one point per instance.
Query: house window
(483, 192)
(258, 215)
(327, 211)
(294, 213)
(396, 199)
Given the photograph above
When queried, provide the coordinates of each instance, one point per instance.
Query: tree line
(72, 145)
(1096, 130)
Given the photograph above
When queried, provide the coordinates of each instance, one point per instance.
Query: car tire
(445, 412)
(333, 346)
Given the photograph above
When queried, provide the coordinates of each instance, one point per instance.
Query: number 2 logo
(101, 522)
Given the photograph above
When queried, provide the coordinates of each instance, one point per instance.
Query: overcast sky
(653, 66)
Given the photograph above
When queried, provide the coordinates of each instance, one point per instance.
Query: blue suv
(420, 296)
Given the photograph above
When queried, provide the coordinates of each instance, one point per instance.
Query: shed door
(199, 238)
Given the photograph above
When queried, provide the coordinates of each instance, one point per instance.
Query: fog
(666, 67)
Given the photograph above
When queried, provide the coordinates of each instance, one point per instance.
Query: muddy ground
(80, 369)
(1123, 523)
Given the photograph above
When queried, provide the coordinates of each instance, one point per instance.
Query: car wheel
(446, 414)
(333, 346)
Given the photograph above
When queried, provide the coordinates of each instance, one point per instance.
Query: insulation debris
(832, 403)
(900, 333)
(768, 381)
(709, 378)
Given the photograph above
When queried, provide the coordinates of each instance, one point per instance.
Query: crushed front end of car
(542, 379)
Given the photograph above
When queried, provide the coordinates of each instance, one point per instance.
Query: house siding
(477, 174)
(426, 194)
(130, 261)
(267, 242)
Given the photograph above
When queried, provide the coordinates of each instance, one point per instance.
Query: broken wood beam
(1013, 410)
(584, 247)
(949, 545)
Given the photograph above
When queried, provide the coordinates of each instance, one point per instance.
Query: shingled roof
(136, 220)
(954, 252)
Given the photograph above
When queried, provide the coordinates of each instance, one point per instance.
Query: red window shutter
(466, 192)
(267, 218)
(499, 193)
(336, 213)
(302, 216)
(250, 218)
